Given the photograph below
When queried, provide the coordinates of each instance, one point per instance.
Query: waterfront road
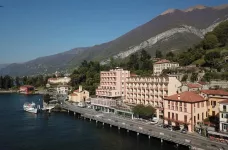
(196, 141)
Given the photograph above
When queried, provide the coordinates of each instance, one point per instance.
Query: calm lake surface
(20, 130)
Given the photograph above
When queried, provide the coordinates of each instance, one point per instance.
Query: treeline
(7, 82)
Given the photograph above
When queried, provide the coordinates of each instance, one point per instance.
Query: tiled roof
(215, 92)
(162, 61)
(133, 75)
(192, 85)
(202, 83)
(73, 94)
(224, 102)
(187, 96)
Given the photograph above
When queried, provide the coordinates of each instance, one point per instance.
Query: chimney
(178, 97)
(80, 88)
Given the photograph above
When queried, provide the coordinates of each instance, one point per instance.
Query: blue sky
(34, 28)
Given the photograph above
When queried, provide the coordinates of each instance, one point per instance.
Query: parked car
(184, 131)
(165, 126)
(175, 128)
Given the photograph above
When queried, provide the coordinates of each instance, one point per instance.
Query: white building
(103, 104)
(61, 80)
(223, 116)
(150, 90)
(63, 89)
(163, 64)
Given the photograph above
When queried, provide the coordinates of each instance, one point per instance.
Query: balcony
(176, 121)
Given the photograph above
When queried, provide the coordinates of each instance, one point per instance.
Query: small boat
(30, 107)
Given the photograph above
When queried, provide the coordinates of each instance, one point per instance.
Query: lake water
(20, 130)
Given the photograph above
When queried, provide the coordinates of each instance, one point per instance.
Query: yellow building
(214, 97)
(79, 95)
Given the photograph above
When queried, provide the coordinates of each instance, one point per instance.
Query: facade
(163, 64)
(61, 80)
(79, 95)
(214, 97)
(63, 89)
(223, 116)
(27, 89)
(190, 87)
(113, 83)
(219, 83)
(150, 90)
(103, 104)
(185, 109)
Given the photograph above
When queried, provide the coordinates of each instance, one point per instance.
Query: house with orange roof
(223, 116)
(162, 64)
(185, 109)
(192, 87)
(214, 97)
(79, 95)
(27, 89)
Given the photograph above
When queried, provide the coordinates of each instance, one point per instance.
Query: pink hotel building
(186, 109)
(112, 83)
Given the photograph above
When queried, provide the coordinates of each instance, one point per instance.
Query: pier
(192, 141)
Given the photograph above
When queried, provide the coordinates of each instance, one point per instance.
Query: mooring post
(74, 113)
(68, 111)
(110, 125)
(161, 140)
(148, 137)
(137, 133)
(119, 128)
(127, 130)
(103, 123)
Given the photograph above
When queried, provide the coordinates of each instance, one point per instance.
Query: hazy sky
(34, 28)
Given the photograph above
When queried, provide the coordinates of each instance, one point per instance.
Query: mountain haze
(173, 29)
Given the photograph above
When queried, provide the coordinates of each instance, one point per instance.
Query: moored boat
(30, 107)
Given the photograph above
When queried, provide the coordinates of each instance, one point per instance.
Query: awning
(217, 133)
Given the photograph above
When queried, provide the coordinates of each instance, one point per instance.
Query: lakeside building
(193, 87)
(113, 83)
(63, 89)
(160, 65)
(79, 95)
(185, 110)
(27, 89)
(214, 97)
(223, 116)
(150, 90)
(60, 80)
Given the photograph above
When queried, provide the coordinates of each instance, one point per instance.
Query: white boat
(30, 107)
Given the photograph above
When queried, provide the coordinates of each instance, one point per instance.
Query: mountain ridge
(177, 20)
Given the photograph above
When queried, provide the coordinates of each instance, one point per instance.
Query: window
(222, 115)
(198, 105)
(180, 109)
(206, 113)
(202, 104)
(198, 116)
(168, 114)
(194, 119)
(185, 118)
(172, 115)
(176, 116)
(202, 116)
(224, 107)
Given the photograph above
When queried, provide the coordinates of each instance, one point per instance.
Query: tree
(17, 81)
(210, 41)
(221, 32)
(170, 56)
(194, 77)
(133, 64)
(7, 82)
(1, 82)
(158, 54)
(211, 57)
(143, 111)
(184, 78)
(47, 98)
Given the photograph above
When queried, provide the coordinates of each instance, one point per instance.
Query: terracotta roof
(224, 102)
(133, 75)
(192, 85)
(202, 83)
(162, 61)
(187, 96)
(73, 94)
(215, 92)
(26, 86)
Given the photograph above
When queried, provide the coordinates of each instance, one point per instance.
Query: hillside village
(187, 90)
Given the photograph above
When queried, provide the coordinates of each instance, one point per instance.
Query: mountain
(3, 65)
(173, 29)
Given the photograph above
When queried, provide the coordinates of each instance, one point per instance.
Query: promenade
(191, 140)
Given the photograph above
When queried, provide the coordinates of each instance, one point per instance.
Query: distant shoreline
(7, 91)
